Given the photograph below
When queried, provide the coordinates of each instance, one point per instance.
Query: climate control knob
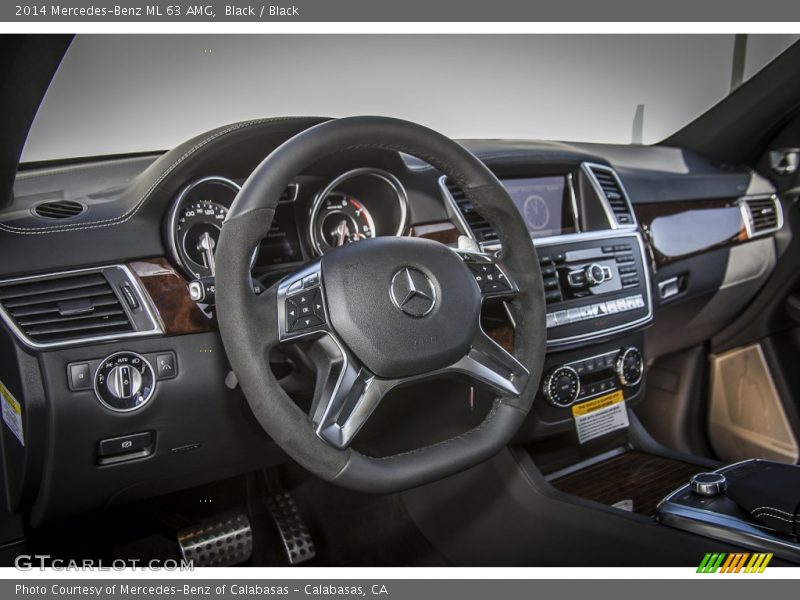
(629, 367)
(562, 386)
(124, 381)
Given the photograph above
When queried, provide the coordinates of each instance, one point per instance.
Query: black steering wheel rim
(248, 323)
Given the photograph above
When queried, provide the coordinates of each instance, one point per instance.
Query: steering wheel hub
(403, 306)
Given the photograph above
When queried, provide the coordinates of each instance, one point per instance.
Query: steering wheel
(386, 312)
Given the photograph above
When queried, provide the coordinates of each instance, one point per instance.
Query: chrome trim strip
(451, 207)
(142, 297)
(394, 182)
(612, 219)
(602, 457)
(747, 214)
(573, 199)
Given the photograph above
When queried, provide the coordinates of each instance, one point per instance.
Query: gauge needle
(341, 232)
(206, 246)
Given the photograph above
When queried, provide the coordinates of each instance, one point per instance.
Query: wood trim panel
(635, 477)
(444, 232)
(169, 294)
(696, 225)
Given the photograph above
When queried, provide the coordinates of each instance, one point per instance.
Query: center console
(597, 290)
(713, 505)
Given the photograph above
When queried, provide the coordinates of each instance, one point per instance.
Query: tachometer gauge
(195, 224)
(357, 205)
(343, 219)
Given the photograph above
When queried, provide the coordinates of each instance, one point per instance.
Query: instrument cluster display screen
(544, 204)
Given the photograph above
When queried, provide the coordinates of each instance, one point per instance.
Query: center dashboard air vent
(474, 222)
(59, 209)
(608, 184)
(761, 214)
(74, 307)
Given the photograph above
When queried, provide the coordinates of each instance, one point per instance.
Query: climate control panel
(594, 376)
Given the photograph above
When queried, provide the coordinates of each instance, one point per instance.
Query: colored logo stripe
(734, 563)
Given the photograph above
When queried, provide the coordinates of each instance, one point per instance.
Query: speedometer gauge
(342, 220)
(196, 222)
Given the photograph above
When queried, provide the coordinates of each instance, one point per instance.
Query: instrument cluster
(313, 217)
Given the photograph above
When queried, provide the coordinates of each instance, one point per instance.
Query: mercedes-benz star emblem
(412, 292)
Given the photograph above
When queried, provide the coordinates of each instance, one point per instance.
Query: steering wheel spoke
(489, 363)
(347, 393)
(301, 304)
(490, 275)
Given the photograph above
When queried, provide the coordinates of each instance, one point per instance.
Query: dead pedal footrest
(295, 536)
(222, 542)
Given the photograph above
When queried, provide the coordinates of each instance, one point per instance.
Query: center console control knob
(629, 367)
(708, 484)
(124, 381)
(562, 386)
(595, 275)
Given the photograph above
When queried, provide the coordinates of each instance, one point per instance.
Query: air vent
(552, 288)
(64, 308)
(611, 188)
(481, 230)
(762, 215)
(60, 209)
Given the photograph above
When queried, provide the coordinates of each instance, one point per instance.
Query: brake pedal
(295, 536)
(222, 542)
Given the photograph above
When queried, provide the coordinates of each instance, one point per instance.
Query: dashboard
(631, 246)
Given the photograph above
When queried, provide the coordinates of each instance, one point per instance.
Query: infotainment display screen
(544, 204)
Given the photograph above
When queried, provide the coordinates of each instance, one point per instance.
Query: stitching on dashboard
(44, 173)
(135, 208)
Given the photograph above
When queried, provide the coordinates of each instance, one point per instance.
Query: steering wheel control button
(412, 292)
(562, 386)
(124, 382)
(79, 377)
(489, 277)
(708, 484)
(305, 309)
(166, 365)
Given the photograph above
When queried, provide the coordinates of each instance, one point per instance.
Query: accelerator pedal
(224, 541)
(295, 536)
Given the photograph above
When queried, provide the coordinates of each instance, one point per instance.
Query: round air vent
(61, 209)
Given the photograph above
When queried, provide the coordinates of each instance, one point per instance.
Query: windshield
(127, 94)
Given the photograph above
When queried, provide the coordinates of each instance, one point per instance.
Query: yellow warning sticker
(600, 416)
(12, 413)
(584, 408)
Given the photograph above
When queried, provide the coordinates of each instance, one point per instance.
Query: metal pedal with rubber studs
(295, 536)
(222, 542)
